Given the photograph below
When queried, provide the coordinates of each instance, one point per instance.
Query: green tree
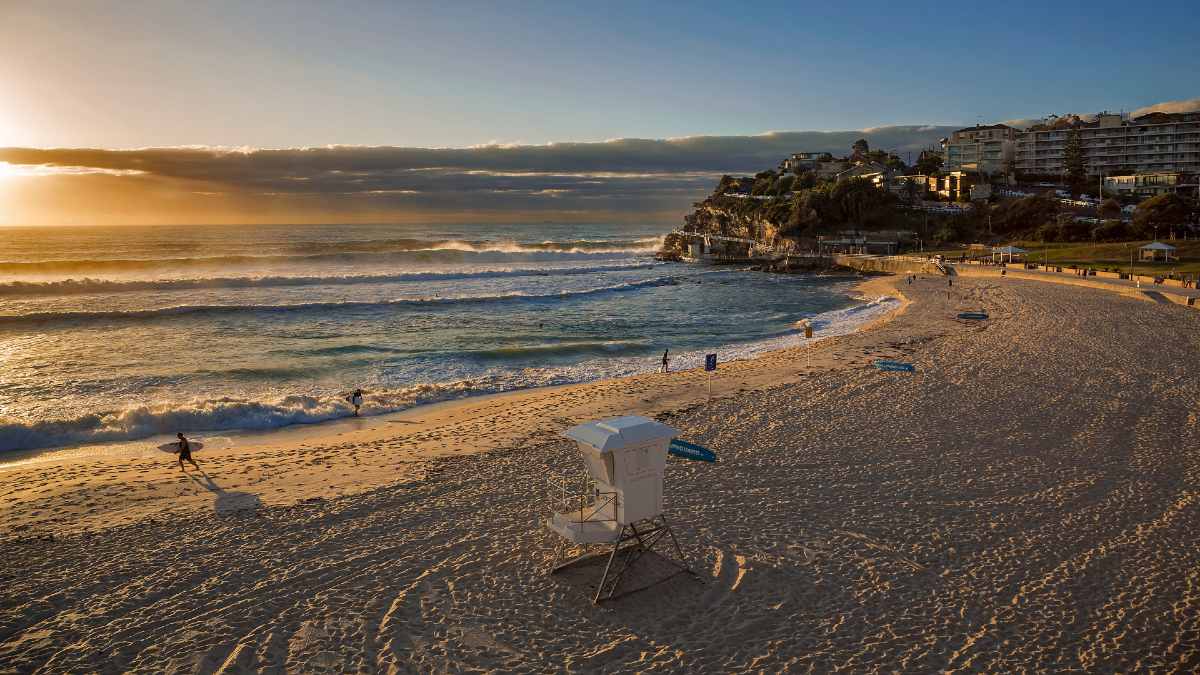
(783, 186)
(861, 147)
(1110, 208)
(1073, 160)
(1016, 215)
(856, 199)
(1163, 211)
(1110, 230)
(805, 180)
(764, 183)
(929, 162)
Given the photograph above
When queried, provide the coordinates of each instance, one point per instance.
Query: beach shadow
(227, 501)
(652, 577)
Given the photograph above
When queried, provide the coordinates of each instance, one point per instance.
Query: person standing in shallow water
(356, 400)
(185, 453)
(666, 363)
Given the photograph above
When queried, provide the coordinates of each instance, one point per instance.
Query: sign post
(710, 364)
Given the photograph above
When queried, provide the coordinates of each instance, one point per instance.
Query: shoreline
(233, 438)
(856, 520)
(138, 463)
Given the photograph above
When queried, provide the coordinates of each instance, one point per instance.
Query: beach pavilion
(1156, 249)
(1010, 251)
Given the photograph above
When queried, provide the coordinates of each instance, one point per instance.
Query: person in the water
(356, 400)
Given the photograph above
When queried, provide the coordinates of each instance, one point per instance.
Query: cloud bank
(1187, 105)
(647, 180)
(624, 180)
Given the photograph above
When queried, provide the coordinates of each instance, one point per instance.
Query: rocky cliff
(744, 218)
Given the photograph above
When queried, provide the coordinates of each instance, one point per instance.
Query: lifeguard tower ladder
(620, 503)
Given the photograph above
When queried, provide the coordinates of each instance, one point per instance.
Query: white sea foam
(39, 318)
(453, 249)
(227, 413)
(86, 286)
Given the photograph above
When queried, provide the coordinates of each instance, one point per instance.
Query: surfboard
(895, 366)
(687, 450)
(974, 316)
(174, 446)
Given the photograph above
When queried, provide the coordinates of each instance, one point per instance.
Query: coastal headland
(1029, 498)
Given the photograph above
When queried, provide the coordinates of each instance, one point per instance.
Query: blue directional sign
(710, 361)
(895, 366)
(691, 451)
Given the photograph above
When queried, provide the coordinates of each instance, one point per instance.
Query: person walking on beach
(185, 453)
(666, 363)
(356, 400)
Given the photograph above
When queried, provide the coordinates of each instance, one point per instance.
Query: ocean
(128, 333)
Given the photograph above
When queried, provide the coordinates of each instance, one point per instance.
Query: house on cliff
(871, 171)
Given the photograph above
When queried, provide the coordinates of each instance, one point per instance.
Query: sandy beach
(1028, 499)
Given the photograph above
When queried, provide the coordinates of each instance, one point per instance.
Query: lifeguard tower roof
(619, 432)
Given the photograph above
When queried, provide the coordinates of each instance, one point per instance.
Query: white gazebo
(1156, 250)
(1009, 251)
(620, 506)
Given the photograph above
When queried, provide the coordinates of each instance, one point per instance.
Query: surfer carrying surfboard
(185, 452)
(356, 400)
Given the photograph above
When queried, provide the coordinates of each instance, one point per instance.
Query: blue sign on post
(710, 361)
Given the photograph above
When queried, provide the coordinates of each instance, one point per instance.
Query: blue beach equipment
(895, 366)
(691, 451)
(974, 316)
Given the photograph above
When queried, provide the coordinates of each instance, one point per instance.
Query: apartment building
(1142, 184)
(1153, 143)
(988, 149)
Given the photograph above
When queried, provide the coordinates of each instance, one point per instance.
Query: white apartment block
(987, 149)
(1153, 143)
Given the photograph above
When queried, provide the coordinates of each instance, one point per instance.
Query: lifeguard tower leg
(678, 551)
(646, 539)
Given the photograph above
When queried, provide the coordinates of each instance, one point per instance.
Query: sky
(584, 77)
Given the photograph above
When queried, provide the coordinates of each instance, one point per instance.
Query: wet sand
(1028, 499)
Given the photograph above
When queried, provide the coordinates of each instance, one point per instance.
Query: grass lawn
(1105, 255)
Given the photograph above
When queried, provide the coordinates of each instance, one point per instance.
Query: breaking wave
(216, 414)
(229, 413)
(420, 250)
(89, 286)
(39, 318)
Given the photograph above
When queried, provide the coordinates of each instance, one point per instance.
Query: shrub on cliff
(764, 182)
(852, 201)
(783, 186)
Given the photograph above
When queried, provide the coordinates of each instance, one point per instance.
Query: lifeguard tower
(619, 501)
